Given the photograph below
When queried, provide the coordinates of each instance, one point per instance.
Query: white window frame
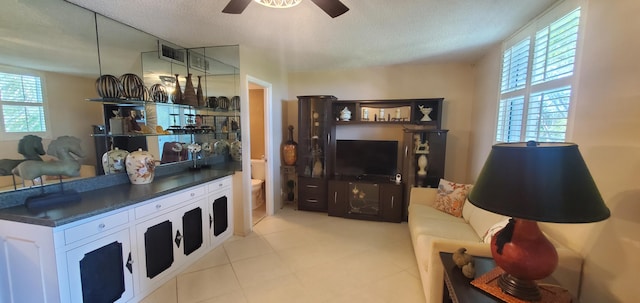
(551, 15)
(13, 136)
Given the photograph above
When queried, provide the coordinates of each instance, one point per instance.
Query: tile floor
(298, 256)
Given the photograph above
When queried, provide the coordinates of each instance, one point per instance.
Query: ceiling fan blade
(236, 6)
(333, 8)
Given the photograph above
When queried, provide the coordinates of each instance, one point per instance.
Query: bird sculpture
(461, 258)
(469, 270)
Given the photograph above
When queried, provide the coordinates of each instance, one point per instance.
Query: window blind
(536, 82)
(22, 103)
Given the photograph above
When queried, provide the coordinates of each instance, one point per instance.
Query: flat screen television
(362, 158)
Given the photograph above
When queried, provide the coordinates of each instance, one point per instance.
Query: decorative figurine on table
(194, 149)
(30, 147)
(421, 149)
(425, 111)
(67, 150)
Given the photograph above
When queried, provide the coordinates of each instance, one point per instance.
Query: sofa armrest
(423, 195)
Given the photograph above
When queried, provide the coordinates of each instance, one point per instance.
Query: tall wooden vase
(199, 94)
(290, 149)
(189, 95)
(177, 93)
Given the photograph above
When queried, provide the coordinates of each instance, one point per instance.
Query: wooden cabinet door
(391, 202)
(337, 200)
(101, 271)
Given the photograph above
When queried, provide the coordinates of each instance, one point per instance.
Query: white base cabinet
(120, 256)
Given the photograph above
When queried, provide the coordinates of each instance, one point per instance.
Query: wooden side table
(458, 288)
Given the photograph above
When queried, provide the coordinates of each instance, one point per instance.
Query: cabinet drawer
(312, 187)
(219, 184)
(95, 227)
(165, 203)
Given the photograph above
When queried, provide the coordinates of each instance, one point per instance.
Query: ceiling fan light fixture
(279, 3)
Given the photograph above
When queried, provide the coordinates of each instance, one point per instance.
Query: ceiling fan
(333, 8)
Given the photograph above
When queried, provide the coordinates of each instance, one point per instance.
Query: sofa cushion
(429, 213)
(437, 228)
(467, 210)
(451, 197)
(481, 220)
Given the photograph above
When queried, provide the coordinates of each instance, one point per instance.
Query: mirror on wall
(70, 47)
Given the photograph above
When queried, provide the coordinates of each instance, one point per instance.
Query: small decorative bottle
(199, 94)
(290, 149)
(177, 92)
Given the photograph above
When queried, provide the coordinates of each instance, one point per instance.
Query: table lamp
(532, 182)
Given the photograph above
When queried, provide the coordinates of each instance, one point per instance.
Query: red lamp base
(526, 255)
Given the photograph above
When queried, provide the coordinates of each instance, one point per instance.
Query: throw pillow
(451, 197)
(494, 229)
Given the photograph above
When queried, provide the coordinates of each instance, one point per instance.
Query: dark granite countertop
(115, 196)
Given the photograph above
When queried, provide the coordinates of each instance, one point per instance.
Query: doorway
(262, 203)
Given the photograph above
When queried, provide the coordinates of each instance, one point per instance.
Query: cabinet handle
(158, 206)
(328, 138)
(392, 201)
(312, 200)
(312, 186)
(335, 197)
(193, 194)
(178, 238)
(210, 220)
(406, 151)
(101, 226)
(130, 264)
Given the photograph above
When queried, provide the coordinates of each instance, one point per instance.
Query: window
(22, 109)
(537, 80)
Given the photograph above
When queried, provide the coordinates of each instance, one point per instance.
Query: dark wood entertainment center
(421, 156)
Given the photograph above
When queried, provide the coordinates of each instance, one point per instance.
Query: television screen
(366, 158)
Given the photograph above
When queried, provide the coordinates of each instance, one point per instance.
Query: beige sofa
(433, 231)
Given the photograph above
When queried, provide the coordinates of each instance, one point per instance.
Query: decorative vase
(235, 149)
(345, 114)
(177, 93)
(159, 93)
(199, 95)
(290, 149)
(189, 96)
(113, 161)
(317, 168)
(291, 195)
(234, 103)
(140, 167)
(212, 102)
(422, 165)
(108, 86)
(132, 86)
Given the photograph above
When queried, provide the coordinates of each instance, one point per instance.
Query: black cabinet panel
(192, 230)
(102, 274)
(158, 242)
(220, 216)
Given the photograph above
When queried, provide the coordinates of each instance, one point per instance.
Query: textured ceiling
(371, 33)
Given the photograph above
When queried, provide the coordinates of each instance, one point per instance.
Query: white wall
(606, 126)
(453, 81)
(253, 64)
